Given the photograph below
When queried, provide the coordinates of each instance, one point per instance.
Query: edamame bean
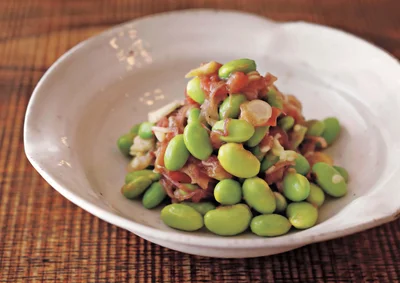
(270, 225)
(146, 173)
(193, 115)
(194, 90)
(176, 154)
(315, 128)
(201, 207)
(153, 196)
(238, 130)
(317, 196)
(125, 142)
(228, 220)
(256, 151)
(145, 131)
(239, 65)
(182, 217)
(296, 187)
(274, 99)
(230, 107)
(330, 180)
(298, 134)
(228, 192)
(286, 123)
(342, 172)
(332, 130)
(197, 141)
(136, 187)
(281, 202)
(258, 195)
(258, 135)
(302, 166)
(191, 187)
(269, 160)
(135, 129)
(302, 215)
(238, 161)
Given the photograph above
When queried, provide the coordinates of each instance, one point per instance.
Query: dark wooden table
(45, 238)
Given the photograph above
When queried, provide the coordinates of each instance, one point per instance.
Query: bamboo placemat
(45, 238)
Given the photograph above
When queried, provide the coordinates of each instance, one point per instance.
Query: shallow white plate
(101, 87)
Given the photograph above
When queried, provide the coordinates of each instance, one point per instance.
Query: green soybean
(332, 129)
(135, 129)
(315, 128)
(317, 196)
(238, 161)
(176, 154)
(256, 151)
(302, 215)
(329, 179)
(269, 160)
(136, 187)
(182, 217)
(153, 196)
(146, 173)
(193, 89)
(197, 141)
(302, 165)
(145, 131)
(228, 220)
(258, 195)
(193, 115)
(125, 142)
(281, 202)
(342, 172)
(295, 187)
(238, 130)
(298, 135)
(239, 65)
(270, 225)
(228, 192)
(258, 135)
(274, 99)
(286, 123)
(201, 207)
(191, 187)
(230, 107)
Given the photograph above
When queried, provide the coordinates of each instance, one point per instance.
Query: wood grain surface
(46, 238)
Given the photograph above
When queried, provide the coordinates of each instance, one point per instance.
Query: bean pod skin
(181, 217)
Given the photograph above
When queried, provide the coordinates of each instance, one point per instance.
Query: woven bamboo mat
(45, 238)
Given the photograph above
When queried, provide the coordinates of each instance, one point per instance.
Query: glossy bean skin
(329, 179)
(295, 187)
(136, 187)
(153, 195)
(298, 135)
(316, 196)
(238, 161)
(200, 207)
(191, 187)
(302, 215)
(238, 130)
(315, 128)
(194, 90)
(256, 151)
(228, 220)
(274, 99)
(228, 192)
(239, 65)
(230, 107)
(342, 172)
(259, 134)
(258, 195)
(268, 161)
(145, 172)
(332, 129)
(176, 154)
(270, 225)
(302, 166)
(286, 123)
(181, 217)
(125, 142)
(193, 115)
(197, 141)
(145, 131)
(135, 129)
(281, 202)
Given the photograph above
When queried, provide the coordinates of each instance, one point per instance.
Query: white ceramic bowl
(101, 87)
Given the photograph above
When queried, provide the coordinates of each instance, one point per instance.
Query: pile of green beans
(247, 200)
